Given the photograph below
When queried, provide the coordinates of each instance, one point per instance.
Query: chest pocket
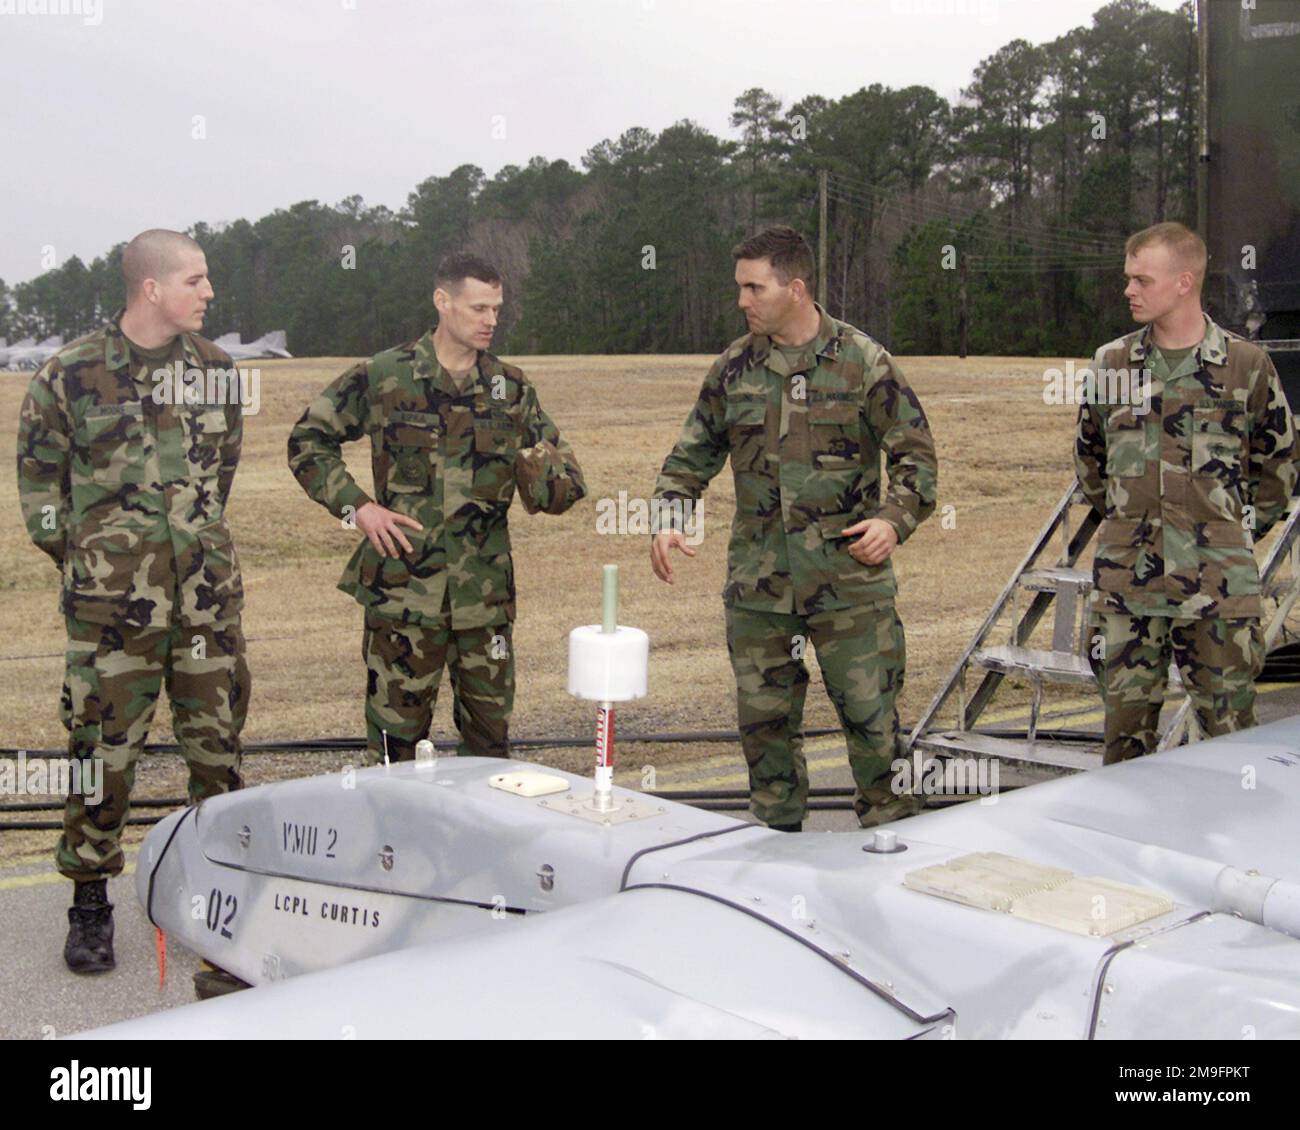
(115, 442)
(1126, 443)
(747, 430)
(205, 431)
(496, 443)
(410, 448)
(834, 433)
(1218, 440)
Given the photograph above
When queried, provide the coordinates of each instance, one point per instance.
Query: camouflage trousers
(862, 656)
(404, 665)
(1218, 661)
(110, 690)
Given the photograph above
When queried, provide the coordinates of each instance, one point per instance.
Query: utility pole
(963, 318)
(821, 238)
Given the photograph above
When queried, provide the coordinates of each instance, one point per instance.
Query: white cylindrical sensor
(608, 666)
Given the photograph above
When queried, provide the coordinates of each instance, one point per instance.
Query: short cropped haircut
(153, 254)
(456, 268)
(785, 248)
(1186, 247)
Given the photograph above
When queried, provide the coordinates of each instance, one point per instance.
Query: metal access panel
(1218, 977)
(1250, 156)
(1286, 358)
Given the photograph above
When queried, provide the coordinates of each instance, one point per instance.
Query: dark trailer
(1249, 195)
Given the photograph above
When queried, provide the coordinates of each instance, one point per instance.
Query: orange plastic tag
(160, 946)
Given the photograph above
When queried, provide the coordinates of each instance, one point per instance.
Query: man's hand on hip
(382, 527)
(878, 540)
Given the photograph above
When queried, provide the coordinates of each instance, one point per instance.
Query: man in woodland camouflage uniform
(1187, 475)
(125, 489)
(804, 405)
(453, 431)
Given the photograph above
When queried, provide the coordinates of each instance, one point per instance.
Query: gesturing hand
(659, 547)
(382, 528)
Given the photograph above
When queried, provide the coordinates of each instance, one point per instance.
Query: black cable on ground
(685, 796)
(57, 825)
(343, 745)
(711, 800)
(57, 805)
(702, 798)
(1282, 664)
(1044, 735)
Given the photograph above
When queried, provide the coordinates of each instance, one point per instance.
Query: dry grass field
(1004, 462)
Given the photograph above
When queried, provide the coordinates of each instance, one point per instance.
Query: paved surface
(39, 998)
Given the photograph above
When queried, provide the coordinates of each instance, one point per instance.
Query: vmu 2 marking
(304, 839)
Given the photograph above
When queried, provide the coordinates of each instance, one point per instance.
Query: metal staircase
(1037, 585)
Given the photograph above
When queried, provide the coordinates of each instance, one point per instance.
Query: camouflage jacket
(126, 494)
(447, 457)
(1186, 488)
(805, 439)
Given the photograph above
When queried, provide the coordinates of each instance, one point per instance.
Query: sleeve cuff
(351, 495)
(897, 517)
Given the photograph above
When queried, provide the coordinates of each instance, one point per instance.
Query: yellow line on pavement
(17, 882)
(678, 776)
(1099, 714)
(1019, 711)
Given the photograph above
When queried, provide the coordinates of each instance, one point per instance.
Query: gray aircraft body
(1156, 899)
(267, 347)
(6, 350)
(30, 355)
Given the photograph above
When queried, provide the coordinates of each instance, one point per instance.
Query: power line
(926, 211)
(1038, 256)
(1036, 270)
(855, 183)
(996, 260)
(1030, 237)
(1037, 243)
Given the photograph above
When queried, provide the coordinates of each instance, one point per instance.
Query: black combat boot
(89, 948)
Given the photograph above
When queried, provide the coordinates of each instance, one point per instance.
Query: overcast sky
(320, 99)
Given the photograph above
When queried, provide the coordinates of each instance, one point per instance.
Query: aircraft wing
(267, 347)
(13, 352)
(34, 356)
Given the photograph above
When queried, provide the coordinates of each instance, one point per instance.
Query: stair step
(1043, 752)
(1053, 578)
(1052, 666)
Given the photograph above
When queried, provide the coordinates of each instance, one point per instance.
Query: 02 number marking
(216, 903)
